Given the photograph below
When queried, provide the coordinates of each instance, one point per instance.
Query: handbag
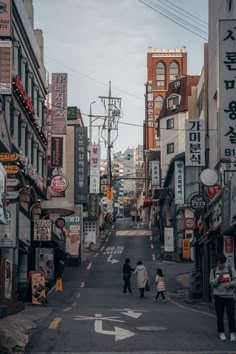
(147, 287)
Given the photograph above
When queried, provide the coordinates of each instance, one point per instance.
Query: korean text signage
(186, 248)
(42, 230)
(81, 165)
(169, 239)
(74, 227)
(93, 206)
(155, 173)
(179, 182)
(233, 200)
(198, 203)
(195, 143)
(5, 18)
(94, 169)
(8, 231)
(229, 250)
(56, 151)
(72, 113)
(5, 67)
(59, 103)
(59, 183)
(227, 85)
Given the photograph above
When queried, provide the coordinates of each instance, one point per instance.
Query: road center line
(82, 284)
(67, 309)
(54, 324)
(153, 257)
(89, 266)
(152, 245)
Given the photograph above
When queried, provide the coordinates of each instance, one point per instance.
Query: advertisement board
(74, 227)
(81, 165)
(56, 152)
(9, 230)
(186, 248)
(38, 288)
(45, 262)
(179, 182)
(5, 66)
(59, 103)
(229, 250)
(6, 18)
(8, 279)
(195, 143)
(169, 239)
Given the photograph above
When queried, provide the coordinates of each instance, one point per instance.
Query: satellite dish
(208, 177)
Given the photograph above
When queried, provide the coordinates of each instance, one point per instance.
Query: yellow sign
(59, 285)
(38, 289)
(109, 193)
(9, 157)
(11, 170)
(186, 248)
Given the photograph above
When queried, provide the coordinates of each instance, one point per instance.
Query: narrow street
(93, 315)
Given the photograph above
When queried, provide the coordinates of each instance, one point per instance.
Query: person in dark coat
(127, 269)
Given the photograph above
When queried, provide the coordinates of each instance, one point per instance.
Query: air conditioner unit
(173, 107)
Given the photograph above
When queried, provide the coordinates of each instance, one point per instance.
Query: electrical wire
(171, 19)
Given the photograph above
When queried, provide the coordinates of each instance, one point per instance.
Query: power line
(169, 18)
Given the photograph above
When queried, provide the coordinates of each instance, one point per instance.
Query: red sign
(228, 244)
(59, 183)
(19, 87)
(213, 191)
(189, 223)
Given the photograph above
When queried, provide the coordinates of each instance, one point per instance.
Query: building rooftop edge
(168, 51)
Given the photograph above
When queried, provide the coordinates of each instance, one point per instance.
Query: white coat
(142, 276)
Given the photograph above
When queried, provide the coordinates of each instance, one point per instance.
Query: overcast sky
(97, 41)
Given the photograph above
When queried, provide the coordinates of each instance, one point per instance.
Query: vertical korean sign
(94, 169)
(81, 165)
(5, 67)
(195, 143)
(179, 182)
(155, 173)
(5, 18)
(59, 103)
(74, 227)
(227, 86)
(229, 250)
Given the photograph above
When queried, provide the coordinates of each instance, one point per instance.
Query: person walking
(142, 277)
(223, 282)
(127, 269)
(161, 286)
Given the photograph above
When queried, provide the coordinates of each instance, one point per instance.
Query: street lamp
(90, 122)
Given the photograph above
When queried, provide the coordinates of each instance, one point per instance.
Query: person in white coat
(141, 277)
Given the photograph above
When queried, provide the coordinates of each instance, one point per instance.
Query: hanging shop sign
(179, 182)
(94, 169)
(23, 95)
(226, 94)
(81, 165)
(109, 193)
(59, 103)
(72, 113)
(60, 223)
(93, 206)
(195, 143)
(6, 18)
(229, 250)
(155, 173)
(213, 191)
(189, 223)
(56, 152)
(186, 248)
(12, 182)
(217, 214)
(6, 157)
(11, 169)
(233, 200)
(198, 202)
(59, 183)
(42, 230)
(12, 195)
(5, 66)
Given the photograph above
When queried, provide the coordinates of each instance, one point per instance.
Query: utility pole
(90, 122)
(113, 108)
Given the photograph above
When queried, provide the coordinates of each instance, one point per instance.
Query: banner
(195, 143)
(155, 173)
(94, 169)
(59, 103)
(229, 250)
(81, 165)
(74, 227)
(169, 239)
(179, 182)
(56, 152)
(5, 67)
(3, 191)
(38, 288)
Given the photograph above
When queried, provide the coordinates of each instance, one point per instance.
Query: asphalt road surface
(92, 315)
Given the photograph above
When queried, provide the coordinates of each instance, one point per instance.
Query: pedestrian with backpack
(223, 282)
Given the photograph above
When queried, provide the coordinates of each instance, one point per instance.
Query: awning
(147, 202)
(59, 206)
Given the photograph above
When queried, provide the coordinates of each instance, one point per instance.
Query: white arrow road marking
(119, 333)
(97, 315)
(131, 313)
(112, 260)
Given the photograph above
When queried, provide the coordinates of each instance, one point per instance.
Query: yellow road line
(89, 266)
(67, 309)
(153, 257)
(82, 284)
(134, 233)
(152, 245)
(54, 324)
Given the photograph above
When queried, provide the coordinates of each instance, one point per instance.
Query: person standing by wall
(223, 282)
(161, 286)
(142, 277)
(127, 269)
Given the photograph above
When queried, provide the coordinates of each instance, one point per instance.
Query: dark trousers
(162, 294)
(127, 286)
(141, 292)
(220, 304)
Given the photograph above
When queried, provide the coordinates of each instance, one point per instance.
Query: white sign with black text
(195, 143)
(179, 182)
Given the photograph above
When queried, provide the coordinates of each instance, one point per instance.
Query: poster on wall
(169, 239)
(38, 288)
(45, 262)
(8, 279)
(74, 228)
(8, 231)
(229, 250)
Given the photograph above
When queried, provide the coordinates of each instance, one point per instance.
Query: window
(173, 101)
(174, 70)
(159, 102)
(170, 123)
(160, 74)
(170, 148)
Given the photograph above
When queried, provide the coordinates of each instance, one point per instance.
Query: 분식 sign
(195, 143)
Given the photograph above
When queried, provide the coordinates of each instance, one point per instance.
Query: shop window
(170, 148)
(160, 74)
(174, 70)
